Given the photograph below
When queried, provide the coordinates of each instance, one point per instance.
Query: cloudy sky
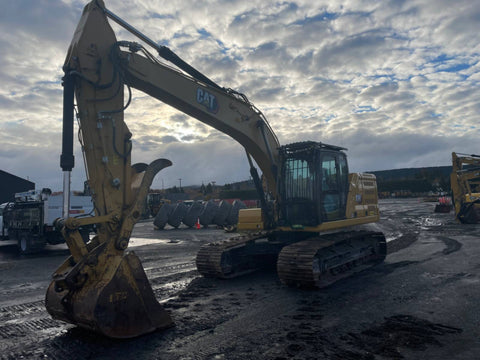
(396, 82)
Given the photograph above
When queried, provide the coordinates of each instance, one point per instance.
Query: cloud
(48, 20)
(396, 82)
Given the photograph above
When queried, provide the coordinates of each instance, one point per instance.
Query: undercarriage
(302, 259)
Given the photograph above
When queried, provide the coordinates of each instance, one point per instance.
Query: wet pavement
(423, 302)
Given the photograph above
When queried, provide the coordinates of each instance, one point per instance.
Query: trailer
(30, 218)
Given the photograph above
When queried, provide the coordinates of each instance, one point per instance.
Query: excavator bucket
(469, 213)
(119, 303)
(102, 287)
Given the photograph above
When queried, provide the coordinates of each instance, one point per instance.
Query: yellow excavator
(465, 184)
(307, 195)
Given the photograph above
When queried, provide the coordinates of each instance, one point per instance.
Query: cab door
(334, 185)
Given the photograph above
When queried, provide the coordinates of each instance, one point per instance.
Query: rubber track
(209, 257)
(295, 262)
(295, 265)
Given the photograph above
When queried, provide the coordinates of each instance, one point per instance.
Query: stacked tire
(209, 211)
(223, 211)
(192, 214)
(177, 215)
(161, 219)
(222, 214)
(232, 218)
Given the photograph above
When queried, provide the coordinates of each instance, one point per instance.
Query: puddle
(426, 223)
(137, 241)
(394, 236)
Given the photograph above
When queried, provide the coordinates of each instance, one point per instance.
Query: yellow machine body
(362, 208)
(465, 184)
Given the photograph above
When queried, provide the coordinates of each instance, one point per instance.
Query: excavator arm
(101, 286)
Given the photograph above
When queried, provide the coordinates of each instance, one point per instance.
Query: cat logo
(208, 100)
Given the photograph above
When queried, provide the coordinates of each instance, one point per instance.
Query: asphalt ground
(422, 302)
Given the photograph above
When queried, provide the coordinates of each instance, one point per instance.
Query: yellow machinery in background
(465, 184)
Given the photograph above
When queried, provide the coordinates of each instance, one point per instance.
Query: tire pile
(222, 214)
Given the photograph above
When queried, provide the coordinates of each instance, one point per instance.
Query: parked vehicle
(3, 229)
(30, 219)
(465, 183)
(154, 202)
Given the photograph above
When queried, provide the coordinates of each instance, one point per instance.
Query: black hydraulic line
(258, 186)
(169, 55)
(163, 51)
(67, 160)
(127, 142)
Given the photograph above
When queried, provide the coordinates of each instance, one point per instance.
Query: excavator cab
(313, 184)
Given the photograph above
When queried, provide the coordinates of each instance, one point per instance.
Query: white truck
(30, 219)
(3, 230)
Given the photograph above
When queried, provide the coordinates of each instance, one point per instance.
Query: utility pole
(180, 183)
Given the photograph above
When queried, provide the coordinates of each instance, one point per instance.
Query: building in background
(11, 184)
